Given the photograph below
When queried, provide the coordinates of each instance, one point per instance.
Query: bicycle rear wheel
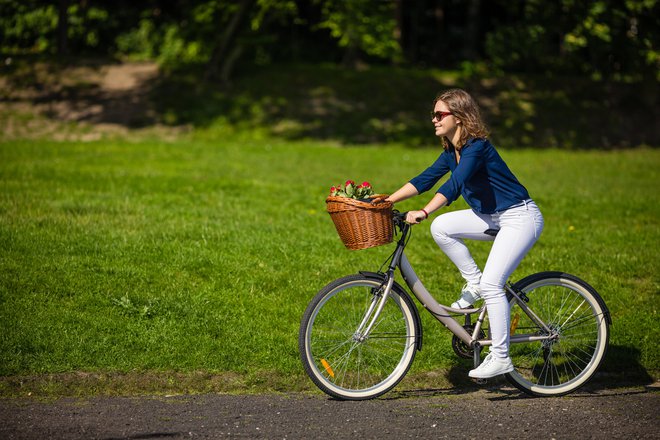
(579, 320)
(340, 360)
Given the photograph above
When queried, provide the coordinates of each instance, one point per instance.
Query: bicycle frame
(440, 311)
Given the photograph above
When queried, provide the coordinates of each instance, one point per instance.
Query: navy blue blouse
(481, 176)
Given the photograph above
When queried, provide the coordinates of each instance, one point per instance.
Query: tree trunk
(63, 28)
(220, 60)
(398, 30)
(472, 30)
(440, 47)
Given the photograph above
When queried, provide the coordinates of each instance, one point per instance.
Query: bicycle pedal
(481, 381)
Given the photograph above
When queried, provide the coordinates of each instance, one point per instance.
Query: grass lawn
(197, 257)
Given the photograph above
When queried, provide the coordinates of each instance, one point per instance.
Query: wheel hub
(554, 335)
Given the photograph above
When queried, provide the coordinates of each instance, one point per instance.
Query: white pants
(519, 228)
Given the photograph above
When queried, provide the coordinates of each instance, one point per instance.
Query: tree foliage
(605, 39)
(362, 25)
(609, 39)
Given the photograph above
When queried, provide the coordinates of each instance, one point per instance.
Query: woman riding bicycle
(498, 202)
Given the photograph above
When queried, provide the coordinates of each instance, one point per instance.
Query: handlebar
(399, 219)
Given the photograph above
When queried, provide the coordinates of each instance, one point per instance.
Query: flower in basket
(337, 191)
(349, 189)
(352, 191)
(364, 190)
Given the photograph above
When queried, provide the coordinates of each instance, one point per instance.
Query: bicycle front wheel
(577, 319)
(340, 359)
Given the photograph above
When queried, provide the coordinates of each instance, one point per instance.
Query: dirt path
(495, 413)
(81, 102)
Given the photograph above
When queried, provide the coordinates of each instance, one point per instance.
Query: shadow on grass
(621, 368)
(378, 104)
(388, 104)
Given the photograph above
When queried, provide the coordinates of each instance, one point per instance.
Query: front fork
(375, 308)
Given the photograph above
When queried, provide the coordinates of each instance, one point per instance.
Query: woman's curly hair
(466, 109)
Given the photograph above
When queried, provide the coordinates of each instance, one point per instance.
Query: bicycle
(360, 333)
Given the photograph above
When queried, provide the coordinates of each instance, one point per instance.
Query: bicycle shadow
(620, 374)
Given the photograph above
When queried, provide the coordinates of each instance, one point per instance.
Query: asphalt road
(628, 413)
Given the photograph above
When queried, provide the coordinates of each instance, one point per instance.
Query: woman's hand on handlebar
(415, 217)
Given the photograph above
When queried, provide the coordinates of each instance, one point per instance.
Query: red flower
(351, 191)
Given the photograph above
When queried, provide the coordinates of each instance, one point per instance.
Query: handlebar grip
(399, 216)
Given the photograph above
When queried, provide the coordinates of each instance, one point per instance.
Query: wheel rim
(577, 325)
(346, 363)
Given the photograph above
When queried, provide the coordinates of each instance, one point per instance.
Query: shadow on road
(620, 374)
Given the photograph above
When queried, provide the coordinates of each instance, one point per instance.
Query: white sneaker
(491, 367)
(469, 295)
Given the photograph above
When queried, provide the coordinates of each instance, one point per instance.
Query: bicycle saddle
(491, 232)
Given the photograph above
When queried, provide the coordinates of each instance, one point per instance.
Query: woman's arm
(472, 159)
(437, 202)
(405, 192)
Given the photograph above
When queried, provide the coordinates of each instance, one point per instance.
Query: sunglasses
(440, 115)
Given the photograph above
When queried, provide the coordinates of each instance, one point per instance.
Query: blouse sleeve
(431, 175)
(471, 160)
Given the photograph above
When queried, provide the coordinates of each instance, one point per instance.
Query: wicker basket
(361, 225)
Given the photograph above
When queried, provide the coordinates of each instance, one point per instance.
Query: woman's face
(445, 124)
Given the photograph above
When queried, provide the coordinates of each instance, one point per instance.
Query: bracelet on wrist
(425, 213)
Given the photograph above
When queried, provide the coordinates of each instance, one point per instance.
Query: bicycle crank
(462, 349)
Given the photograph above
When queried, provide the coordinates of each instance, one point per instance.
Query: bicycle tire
(576, 312)
(340, 364)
